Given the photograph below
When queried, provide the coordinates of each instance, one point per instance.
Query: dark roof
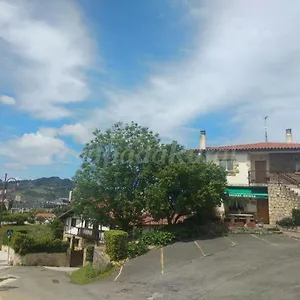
(257, 146)
(66, 214)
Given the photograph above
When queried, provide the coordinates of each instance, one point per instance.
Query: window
(73, 222)
(227, 164)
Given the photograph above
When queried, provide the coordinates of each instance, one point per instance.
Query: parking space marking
(228, 239)
(199, 247)
(120, 272)
(162, 263)
(266, 241)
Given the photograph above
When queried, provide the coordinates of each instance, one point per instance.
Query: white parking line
(266, 241)
(228, 239)
(199, 247)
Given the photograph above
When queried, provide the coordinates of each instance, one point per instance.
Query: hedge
(116, 242)
(23, 244)
(90, 253)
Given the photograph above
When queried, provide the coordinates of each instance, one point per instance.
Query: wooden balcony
(88, 233)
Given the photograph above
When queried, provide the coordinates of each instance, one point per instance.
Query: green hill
(41, 189)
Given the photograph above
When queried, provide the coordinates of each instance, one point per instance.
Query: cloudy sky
(177, 66)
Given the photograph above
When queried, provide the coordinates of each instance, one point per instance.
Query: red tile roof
(257, 146)
(45, 215)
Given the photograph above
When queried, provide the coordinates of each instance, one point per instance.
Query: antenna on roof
(266, 129)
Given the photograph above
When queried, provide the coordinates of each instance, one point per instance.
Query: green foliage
(296, 217)
(23, 244)
(185, 188)
(40, 231)
(16, 218)
(116, 170)
(16, 228)
(88, 274)
(116, 242)
(286, 222)
(90, 253)
(57, 228)
(157, 238)
(136, 249)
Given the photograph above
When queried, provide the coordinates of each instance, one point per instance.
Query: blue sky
(177, 66)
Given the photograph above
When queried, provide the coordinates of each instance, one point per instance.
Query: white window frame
(226, 163)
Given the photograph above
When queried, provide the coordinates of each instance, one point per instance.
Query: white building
(263, 178)
(81, 232)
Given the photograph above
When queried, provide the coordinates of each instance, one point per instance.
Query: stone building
(263, 178)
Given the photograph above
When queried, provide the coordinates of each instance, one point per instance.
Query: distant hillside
(42, 189)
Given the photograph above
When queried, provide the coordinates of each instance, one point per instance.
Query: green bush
(17, 218)
(136, 249)
(57, 228)
(158, 238)
(23, 244)
(286, 222)
(90, 253)
(116, 244)
(296, 216)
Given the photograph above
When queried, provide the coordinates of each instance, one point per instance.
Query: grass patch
(15, 228)
(88, 274)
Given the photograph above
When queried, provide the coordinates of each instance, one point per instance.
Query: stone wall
(100, 259)
(41, 259)
(281, 202)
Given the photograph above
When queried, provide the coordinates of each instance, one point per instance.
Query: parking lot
(234, 267)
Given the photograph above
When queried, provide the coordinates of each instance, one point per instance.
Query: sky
(175, 66)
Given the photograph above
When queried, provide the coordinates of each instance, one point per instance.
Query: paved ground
(241, 267)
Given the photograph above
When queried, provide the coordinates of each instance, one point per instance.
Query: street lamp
(6, 181)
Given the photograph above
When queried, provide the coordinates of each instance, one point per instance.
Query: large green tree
(118, 166)
(185, 187)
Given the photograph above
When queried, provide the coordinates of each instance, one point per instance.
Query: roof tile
(257, 146)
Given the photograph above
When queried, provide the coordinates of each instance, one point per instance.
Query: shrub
(90, 253)
(116, 244)
(23, 244)
(296, 217)
(136, 249)
(157, 238)
(286, 222)
(17, 218)
(57, 228)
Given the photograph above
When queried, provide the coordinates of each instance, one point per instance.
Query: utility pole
(266, 129)
(4, 191)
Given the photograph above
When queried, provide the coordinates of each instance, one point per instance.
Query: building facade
(80, 232)
(263, 178)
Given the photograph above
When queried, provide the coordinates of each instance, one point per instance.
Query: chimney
(70, 196)
(288, 136)
(202, 140)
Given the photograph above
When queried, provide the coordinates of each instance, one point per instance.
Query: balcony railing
(267, 176)
(88, 233)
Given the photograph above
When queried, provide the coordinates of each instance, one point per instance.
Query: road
(238, 267)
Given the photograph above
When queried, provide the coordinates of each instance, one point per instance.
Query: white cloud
(4, 99)
(33, 149)
(45, 51)
(246, 60)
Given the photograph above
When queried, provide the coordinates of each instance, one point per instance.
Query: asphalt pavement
(234, 267)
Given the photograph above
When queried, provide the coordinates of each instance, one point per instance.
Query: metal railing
(269, 176)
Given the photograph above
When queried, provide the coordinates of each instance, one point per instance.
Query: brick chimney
(288, 136)
(202, 140)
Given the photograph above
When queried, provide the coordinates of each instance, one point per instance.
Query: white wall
(79, 224)
(242, 165)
